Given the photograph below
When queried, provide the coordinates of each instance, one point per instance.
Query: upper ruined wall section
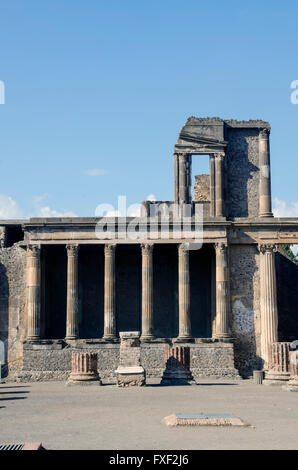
(239, 141)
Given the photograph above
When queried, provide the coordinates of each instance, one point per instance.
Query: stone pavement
(109, 417)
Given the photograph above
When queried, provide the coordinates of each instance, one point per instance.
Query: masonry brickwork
(63, 290)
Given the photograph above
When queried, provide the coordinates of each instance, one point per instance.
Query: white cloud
(95, 172)
(151, 197)
(46, 211)
(9, 209)
(281, 209)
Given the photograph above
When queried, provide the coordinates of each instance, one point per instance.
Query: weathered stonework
(202, 188)
(245, 305)
(243, 175)
(64, 290)
(292, 385)
(278, 367)
(12, 306)
(83, 369)
(177, 366)
(130, 371)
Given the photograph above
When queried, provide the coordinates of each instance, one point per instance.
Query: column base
(71, 338)
(266, 214)
(147, 338)
(276, 378)
(110, 339)
(183, 339)
(33, 339)
(224, 338)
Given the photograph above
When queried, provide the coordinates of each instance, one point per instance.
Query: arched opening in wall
(201, 178)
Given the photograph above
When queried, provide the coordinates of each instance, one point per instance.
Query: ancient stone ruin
(177, 366)
(64, 290)
(84, 369)
(292, 384)
(279, 365)
(130, 371)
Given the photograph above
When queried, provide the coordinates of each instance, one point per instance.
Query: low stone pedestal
(292, 385)
(130, 372)
(203, 419)
(177, 363)
(84, 369)
(258, 376)
(278, 371)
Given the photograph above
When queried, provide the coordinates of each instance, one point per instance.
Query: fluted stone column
(212, 185)
(183, 179)
(33, 292)
(72, 309)
(268, 301)
(222, 292)
(177, 366)
(83, 369)
(176, 178)
(265, 209)
(219, 185)
(278, 366)
(184, 294)
(109, 294)
(147, 292)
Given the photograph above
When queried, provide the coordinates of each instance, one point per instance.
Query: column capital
(264, 133)
(110, 249)
(221, 247)
(219, 155)
(33, 250)
(267, 247)
(182, 157)
(72, 249)
(147, 248)
(183, 249)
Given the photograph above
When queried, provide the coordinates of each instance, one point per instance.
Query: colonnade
(268, 296)
(110, 330)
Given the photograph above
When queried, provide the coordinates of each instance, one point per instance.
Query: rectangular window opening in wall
(201, 178)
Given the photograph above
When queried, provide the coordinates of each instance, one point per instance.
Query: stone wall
(53, 361)
(202, 188)
(242, 185)
(245, 307)
(12, 304)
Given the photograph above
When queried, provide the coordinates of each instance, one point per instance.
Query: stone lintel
(129, 334)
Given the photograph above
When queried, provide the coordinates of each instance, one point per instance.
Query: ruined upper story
(236, 194)
(238, 184)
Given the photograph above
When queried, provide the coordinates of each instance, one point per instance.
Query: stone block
(84, 369)
(130, 372)
(202, 419)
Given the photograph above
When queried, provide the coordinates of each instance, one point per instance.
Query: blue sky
(106, 86)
